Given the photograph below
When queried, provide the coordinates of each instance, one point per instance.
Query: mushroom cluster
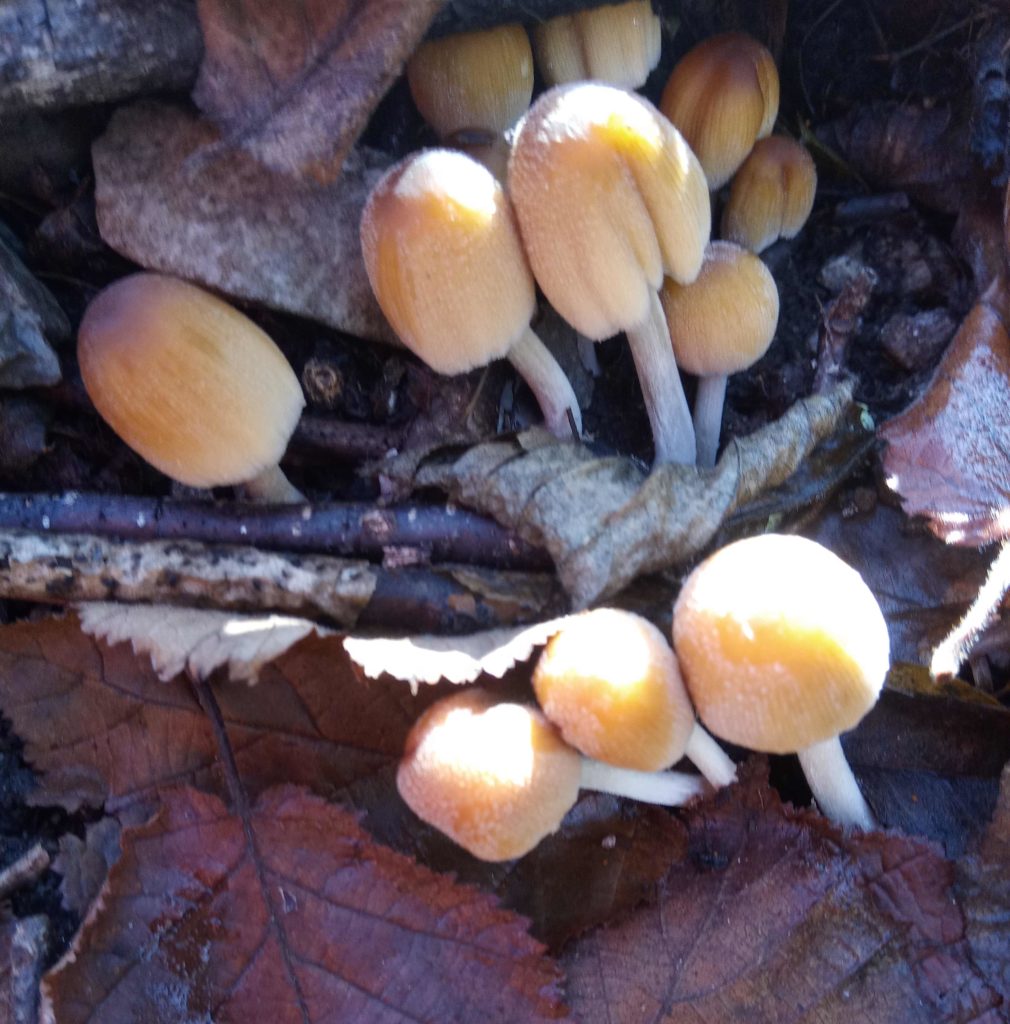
(612, 201)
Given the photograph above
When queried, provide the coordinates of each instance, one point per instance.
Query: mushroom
(723, 96)
(720, 324)
(609, 197)
(610, 682)
(783, 647)
(446, 264)
(771, 196)
(473, 80)
(191, 384)
(497, 777)
(616, 43)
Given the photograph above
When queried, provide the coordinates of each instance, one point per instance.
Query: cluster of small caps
(599, 198)
(782, 662)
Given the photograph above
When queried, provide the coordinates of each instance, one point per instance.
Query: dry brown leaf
(23, 945)
(948, 454)
(602, 520)
(233, 224)
(771, 915)
(291, 913)
(295, 83)
(453, 659)
(196, 640)
(84, 864)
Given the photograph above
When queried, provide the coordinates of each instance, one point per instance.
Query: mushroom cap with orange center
(187, 381)
(609, 681)
(445, 261)
(781, 644)
(495, 777)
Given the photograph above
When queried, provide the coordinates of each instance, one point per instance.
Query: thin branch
(414, 534)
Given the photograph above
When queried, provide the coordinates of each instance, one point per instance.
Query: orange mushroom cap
(495, 777)
(782, 645)
(610, 682)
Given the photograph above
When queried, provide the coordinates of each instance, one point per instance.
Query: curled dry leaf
(605, 522)
(295, 83)
(291, 912)
(163, 202)
(460, 659)
(948, 455)
(770, 914)
(197, 641)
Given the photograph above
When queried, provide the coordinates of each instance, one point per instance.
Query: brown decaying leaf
(292, 914)
(295, 83)
(771, 915)
(983, 889)
(602, 520)
(948, 454)
(167, 198)
(84, 864)
(23, 943)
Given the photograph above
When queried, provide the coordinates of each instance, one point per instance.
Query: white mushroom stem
(834, 786)
(662, 389)
(709, 758)
(273, 487)
(670, 789)
(708, 405)
(535, 364)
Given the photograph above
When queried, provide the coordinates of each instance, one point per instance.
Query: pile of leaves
(198, 814)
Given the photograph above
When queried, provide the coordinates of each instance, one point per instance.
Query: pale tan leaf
(197, 641)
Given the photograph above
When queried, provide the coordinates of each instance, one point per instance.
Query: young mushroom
(771, 196)
(191, 384)
(609, 197)
(497, 777)
(610, 682)
(783, 647)
(473, 80)
(616, 43)
(720, 324)
(446, 264)
(723, 96)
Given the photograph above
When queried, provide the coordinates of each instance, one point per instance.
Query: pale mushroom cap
(725, 320)
(616, 43)
(723, 96)
(495, 778)
(609, 681)
(781, 644)
(445, 261)
(473, 79)
(608, 197)
(187, 381)
(772, 194)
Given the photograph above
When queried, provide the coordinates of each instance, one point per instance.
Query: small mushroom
(721, 323)
(445, 261)
(616, 43)
(771, 196)
(191, 384)
(610, 682)
(609, 197)
(473, 80)
(783, 647)
(497, 777)
(723, 96)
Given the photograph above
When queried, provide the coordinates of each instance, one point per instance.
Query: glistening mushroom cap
(496, 778)
(725, 319)
(772, 194)
(609, 681)
(616, 43)
(609, 196)
(782, 645)
(444, 259)
(187, 381)
(723, 96)
(473, 80)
